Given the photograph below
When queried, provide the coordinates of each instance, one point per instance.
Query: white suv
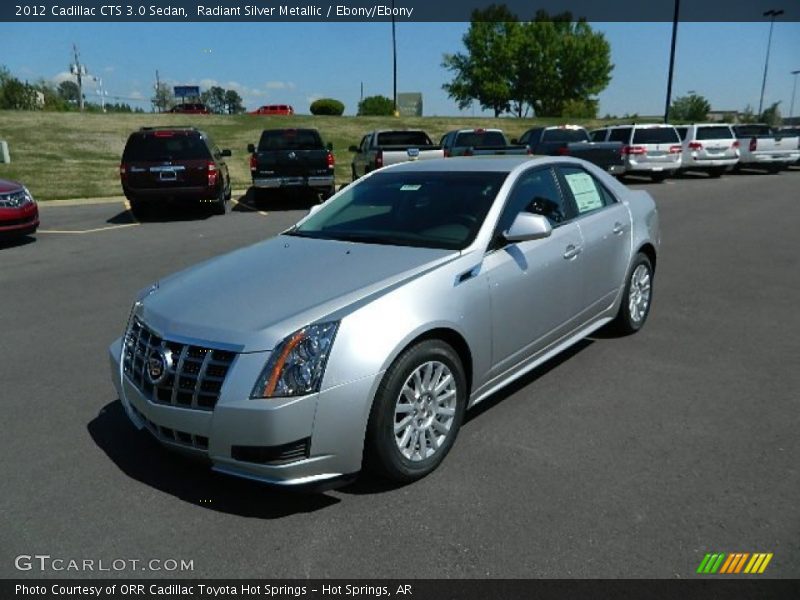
(651, 149)
(711, 148)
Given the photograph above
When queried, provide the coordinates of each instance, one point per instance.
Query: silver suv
(649, 149)
(711, 148)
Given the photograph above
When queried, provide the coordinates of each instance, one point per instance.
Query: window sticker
(587, 196)
(408, 187)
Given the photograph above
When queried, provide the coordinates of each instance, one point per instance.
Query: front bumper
(332, 424)
(316, 181)
(19, 221)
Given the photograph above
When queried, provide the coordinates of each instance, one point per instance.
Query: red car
(274, 109)
(19, 215)
(196, 108)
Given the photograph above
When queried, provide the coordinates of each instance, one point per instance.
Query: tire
(325, 194)
(773, 169)
(221, 204)
(139, 209)
(406, 456)
(716, 172)
(353, 170)
(658, 177)
(636, 301)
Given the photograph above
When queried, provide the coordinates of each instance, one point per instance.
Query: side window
(589, 194)
(623, 134)
(536, 192)
(363, 146)
(598, 135)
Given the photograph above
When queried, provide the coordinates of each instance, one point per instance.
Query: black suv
(161, 164)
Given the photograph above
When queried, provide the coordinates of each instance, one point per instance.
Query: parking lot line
(250, 208)
(82, 231)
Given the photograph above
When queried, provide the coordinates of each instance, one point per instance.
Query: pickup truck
(761, 146)
(387, 147)
(479, 142)
(572, 140)
(292, 158)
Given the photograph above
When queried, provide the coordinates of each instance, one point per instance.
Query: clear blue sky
(294, 63)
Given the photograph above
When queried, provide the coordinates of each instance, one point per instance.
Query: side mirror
(314, 209)
(353, 148)
(528, 226)
(330, 146)
(251, 148)
(225, 152)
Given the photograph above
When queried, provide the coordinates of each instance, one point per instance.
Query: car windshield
(655, 135)
(403, 138)
(425, 209)
(290, 139)
(165, 146)
(565, 135)
(480, 138)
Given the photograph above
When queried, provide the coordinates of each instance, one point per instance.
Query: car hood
(254, 297)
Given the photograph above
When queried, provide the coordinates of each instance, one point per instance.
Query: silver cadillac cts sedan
(359, 337)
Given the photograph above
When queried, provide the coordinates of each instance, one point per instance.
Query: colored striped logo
(734, 563)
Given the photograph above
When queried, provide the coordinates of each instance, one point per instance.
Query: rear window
(290, 139)
(565, 135)
(682, 131)
(480, 138)
(403, 138)
(620, 135)
(655, 135)
(751, 130)
(598, 135)
(165, 146)
(714, 133)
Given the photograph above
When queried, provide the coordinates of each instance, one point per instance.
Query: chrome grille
(172, 435)
(193, 381)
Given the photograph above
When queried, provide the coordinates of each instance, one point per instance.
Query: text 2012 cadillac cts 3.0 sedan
(361, 335)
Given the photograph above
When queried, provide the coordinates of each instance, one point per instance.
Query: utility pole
(672, 58)
(772, 13)
(79, 70)
(158, 88)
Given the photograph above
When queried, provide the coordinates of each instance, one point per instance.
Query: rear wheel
(658, 177)
(221, 204)
(417, 412)
(716, 172)
(139, 209)
(637, 297)
(773, 169)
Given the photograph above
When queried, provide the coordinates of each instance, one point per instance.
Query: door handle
(618, 229)
(572, 251)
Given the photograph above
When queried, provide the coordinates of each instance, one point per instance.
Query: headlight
(16, 199)
(297, 364)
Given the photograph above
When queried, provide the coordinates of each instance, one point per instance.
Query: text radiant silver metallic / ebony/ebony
(359, 336)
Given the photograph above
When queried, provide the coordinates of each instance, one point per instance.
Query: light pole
(794, 89)
(672, 58)
(394, 64)
(772, 13)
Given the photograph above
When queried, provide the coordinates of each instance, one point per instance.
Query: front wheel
(417, 412)
(637, 297)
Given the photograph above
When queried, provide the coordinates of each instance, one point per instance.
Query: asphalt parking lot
(623, 458)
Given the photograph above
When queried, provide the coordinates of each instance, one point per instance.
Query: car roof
(497, 163)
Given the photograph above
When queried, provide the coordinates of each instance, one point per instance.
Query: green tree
(233, 102)
(580, 109)
(69, 92)
(771, 115)
(214, 99)
(542, 64)
(485, 73)
(692, 108)
(376, 106)
(163, 98)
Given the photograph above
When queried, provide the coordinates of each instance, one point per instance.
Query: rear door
(605, 225)
(166, 160)
(662, 146)
(714, 142)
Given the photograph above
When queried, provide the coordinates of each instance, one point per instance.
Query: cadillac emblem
(158, 365)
